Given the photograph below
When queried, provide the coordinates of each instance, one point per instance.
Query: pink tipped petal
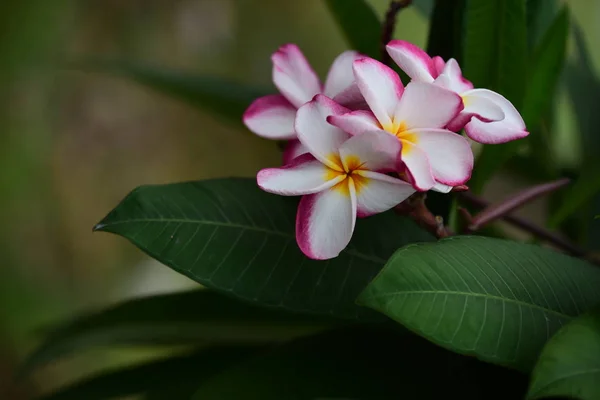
(449, 154)
(271, 117)
(438, 65)
(376, 151)
(417, 167)
(293, 75)
(512, 127)
(412, 60)
(425, 105)
(352, 98)
(476, 106)
(381, 193)
(457, 82)
(340, 76)
(355, 122)
(304, 175)
(320, 137)
(440, 187)
(380, 86)
(325, 222)
(293, 149)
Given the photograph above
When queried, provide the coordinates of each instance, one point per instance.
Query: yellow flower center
(401, 131)
(350, 169)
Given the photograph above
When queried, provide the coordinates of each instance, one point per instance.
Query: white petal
(417, 166)
(271, 117)
(440, 187)
(380, 86)
(293, 75)
(355, 122)
(456, 82)
(412, 60)
(373, 151)
(293, 149)
(340, 76)
(304, 175)
(320, 137)
(512, 127)
(380, 193)
(325, 222)
(425, 105)
(476, 106)
(450, 156)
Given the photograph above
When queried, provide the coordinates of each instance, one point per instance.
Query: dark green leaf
(495, 299)
(569, 365)
(540, 14)
(495, 58)
(220, 96)
(359, 24)
(229, 235)
(446, 28)
(584, 92)
(176, 377)
(545, 72)
(198, 316)
(362, 363)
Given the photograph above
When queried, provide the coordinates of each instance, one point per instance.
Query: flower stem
(389, 25)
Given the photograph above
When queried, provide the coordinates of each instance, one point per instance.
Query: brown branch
(389, 25)
(498, 210)
(528, 226)
(415, 208)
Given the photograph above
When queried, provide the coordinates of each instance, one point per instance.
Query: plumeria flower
(432, 157)
(343, 177)
(273, 116)
(487, 117)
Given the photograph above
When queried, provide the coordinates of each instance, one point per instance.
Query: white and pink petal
(341, 76)
(416, 167)
(374, 151)
(380, 86)
(512, 127)
(355, 122)
(305, 175)
(325, 222)
(271, 117)
(456, 80)
(293, 149)
(380, 193)
(449, 154)
(293, 75)
(320, 137)
(425, 105)
(415, 62)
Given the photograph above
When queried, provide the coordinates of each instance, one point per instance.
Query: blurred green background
(74, 143)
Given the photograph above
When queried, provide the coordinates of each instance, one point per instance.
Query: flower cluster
(363, 142)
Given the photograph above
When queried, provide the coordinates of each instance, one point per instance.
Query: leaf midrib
(471, 294)
(101, 226)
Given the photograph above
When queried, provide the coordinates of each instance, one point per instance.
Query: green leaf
(546, 68)
(198, 316)
(359, 24)
(540, 14)
(569, 365)
(446, 28)
(361, 363)
(220, 96)
(229, 235)
(495, 58)
(495, 299)
(584, 92)
(174, 378)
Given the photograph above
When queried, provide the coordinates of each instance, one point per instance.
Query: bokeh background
(73, 143)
